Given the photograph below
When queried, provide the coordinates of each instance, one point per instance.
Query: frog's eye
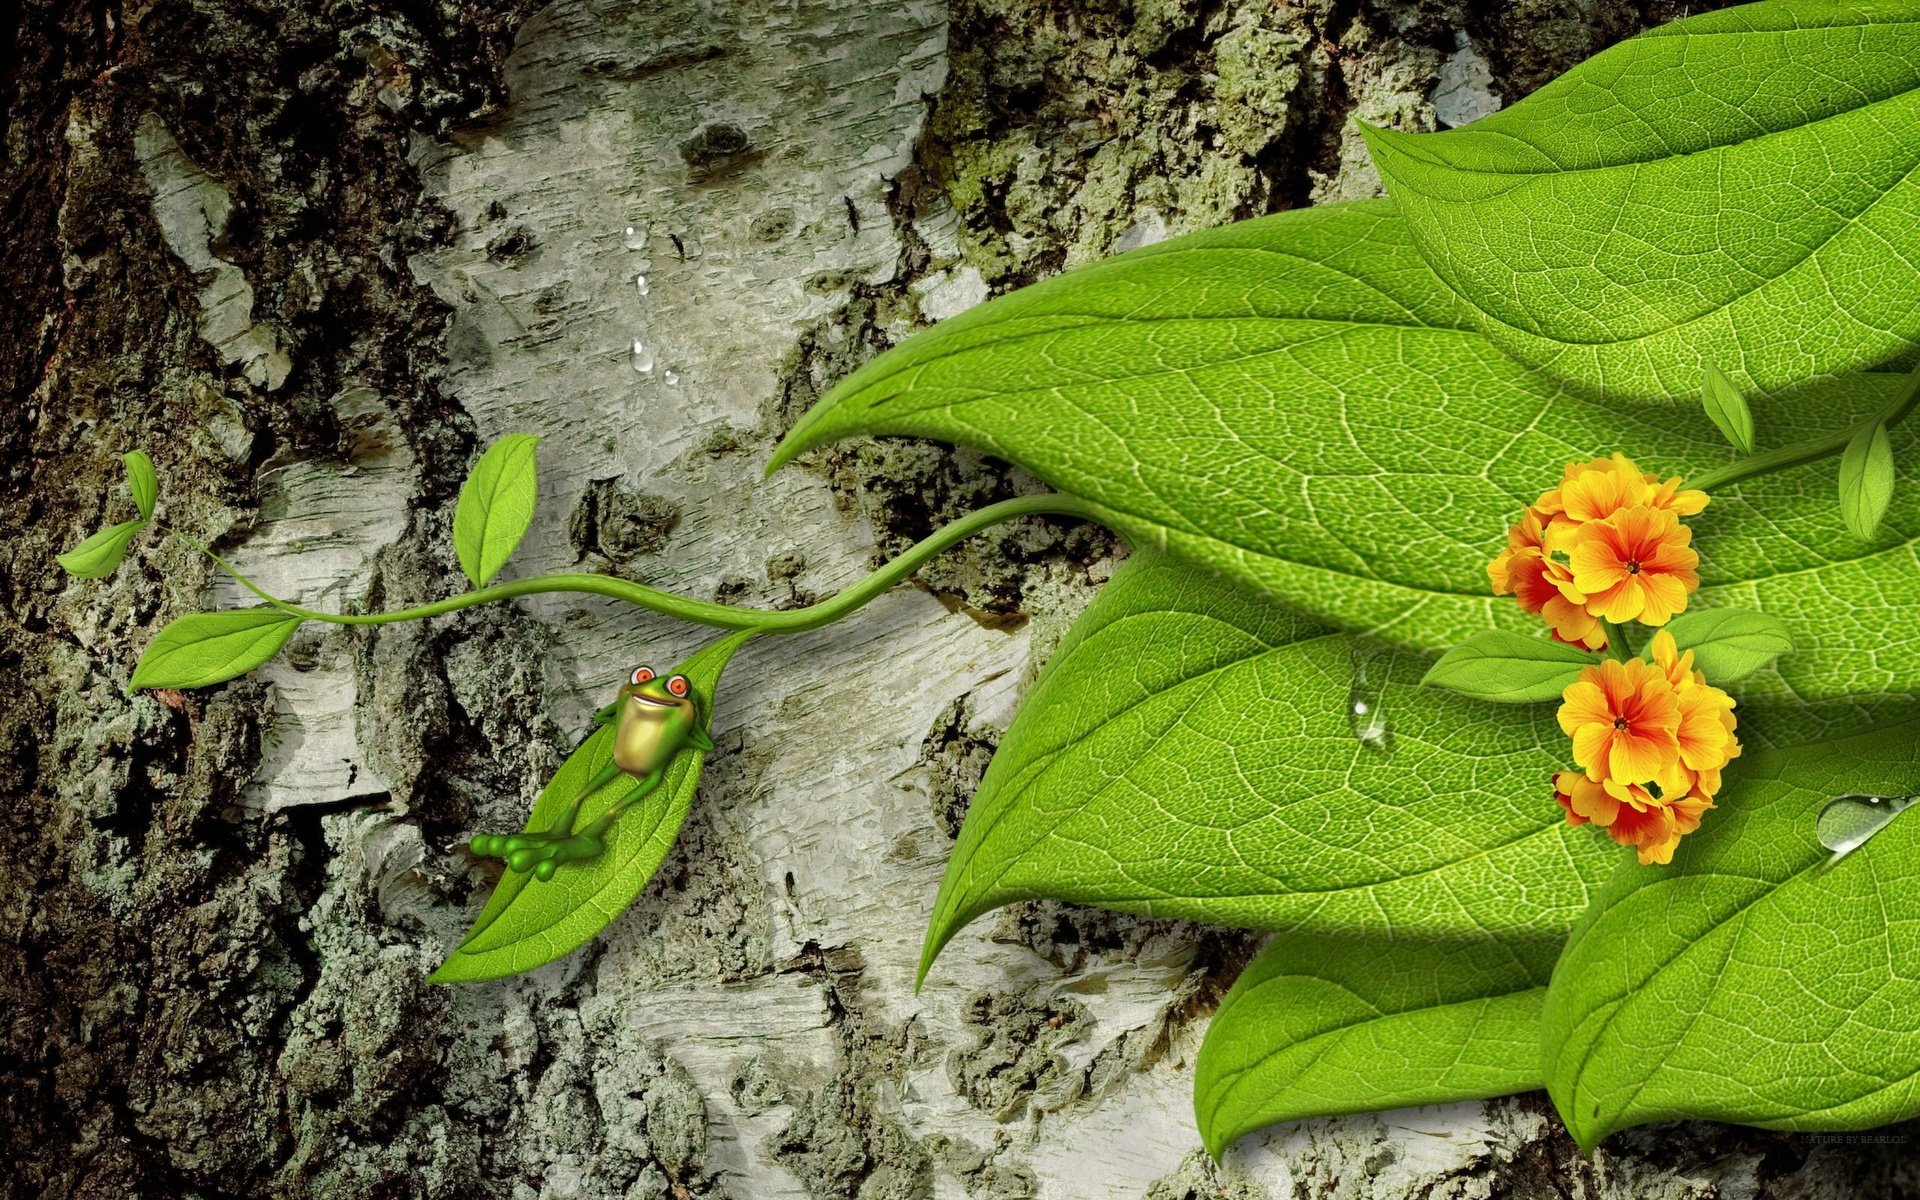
(677, 685)
(642, 675)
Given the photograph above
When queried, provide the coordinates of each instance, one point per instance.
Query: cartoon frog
(655, 719)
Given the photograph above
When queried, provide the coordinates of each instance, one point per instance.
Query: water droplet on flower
(640, 283)
(1846, 823)
(642, 357)
(1366, 711)
(634, 237)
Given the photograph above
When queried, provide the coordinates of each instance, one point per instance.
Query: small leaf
(527, 923)
(496, 506)
(1324, 1024)
(1730, 644)
(1866, 479)
(97, 557)
(208, 648)
(1727, 408)
(143, 481)
(1508, 668)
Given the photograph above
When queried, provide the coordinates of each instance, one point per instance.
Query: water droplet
(1366, 712)
(642, 357)
(634, 237)
(1846, 823)
(672, 377)
(640, 282)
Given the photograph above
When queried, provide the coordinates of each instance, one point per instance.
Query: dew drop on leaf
(1366, 708)
(1846, 823)
(642, 357)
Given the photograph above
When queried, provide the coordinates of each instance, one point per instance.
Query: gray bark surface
(312, 256)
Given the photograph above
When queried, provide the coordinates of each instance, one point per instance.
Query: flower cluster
(1650, 739)
(1606, 545)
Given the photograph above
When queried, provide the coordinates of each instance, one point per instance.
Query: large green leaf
(1320, 1025)
(527, 922)
(1739, 189)
(1753, 980)
(1297, 401)
(1190, 752)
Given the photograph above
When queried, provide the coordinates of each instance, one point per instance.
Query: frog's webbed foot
(542, 853)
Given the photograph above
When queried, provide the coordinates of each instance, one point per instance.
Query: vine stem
(701, 612)
(1813, 449)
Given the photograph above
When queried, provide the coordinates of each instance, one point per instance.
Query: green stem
(700, 612)
(1813, 449)
(1617, 642)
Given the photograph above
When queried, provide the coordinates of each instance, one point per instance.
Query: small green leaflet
(207, 648)
(1735, 189)
(1727, 409)
(1866, 479)
(99, 555)
(1753, 980)
(496, 506)
(1187, 753)
(1508, 668)
(1323, 1024)
(527, 923)
(1729, 644)
(141, 478)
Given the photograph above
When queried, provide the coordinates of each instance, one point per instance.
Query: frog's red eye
(642, 674)
(677, 685)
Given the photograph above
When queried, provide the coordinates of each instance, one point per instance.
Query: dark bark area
(194, 997)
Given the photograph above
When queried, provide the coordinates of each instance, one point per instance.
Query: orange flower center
(1633, 568)
(1619, 722)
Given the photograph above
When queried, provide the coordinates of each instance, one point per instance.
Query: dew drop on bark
(640, 284)
(634, 237)
(1846, 823)
(642, 357)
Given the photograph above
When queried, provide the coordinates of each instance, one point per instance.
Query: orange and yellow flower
(1624, 721)
(1635, 565)
(1605, 545)
(1651, 740)
(1524, 571)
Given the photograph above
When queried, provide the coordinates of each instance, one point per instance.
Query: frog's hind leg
(542, 853)
(526, 848)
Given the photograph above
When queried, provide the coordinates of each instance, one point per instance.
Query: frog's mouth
(650, 702)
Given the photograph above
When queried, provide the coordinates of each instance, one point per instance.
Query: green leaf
(1866, 479)
(496, 506)
(1739, 188)
(142, 480)
(99, 555)
(1320, 1025)
(207, 648)
(1508, 668)
(1730, 644)
(1294, 401)
(527, 923)
(1188, 752)
(1727, 409)
(1752, 981)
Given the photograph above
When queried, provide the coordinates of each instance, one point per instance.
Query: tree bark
(312, 256)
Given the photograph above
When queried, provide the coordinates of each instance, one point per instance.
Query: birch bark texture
(312, 256)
